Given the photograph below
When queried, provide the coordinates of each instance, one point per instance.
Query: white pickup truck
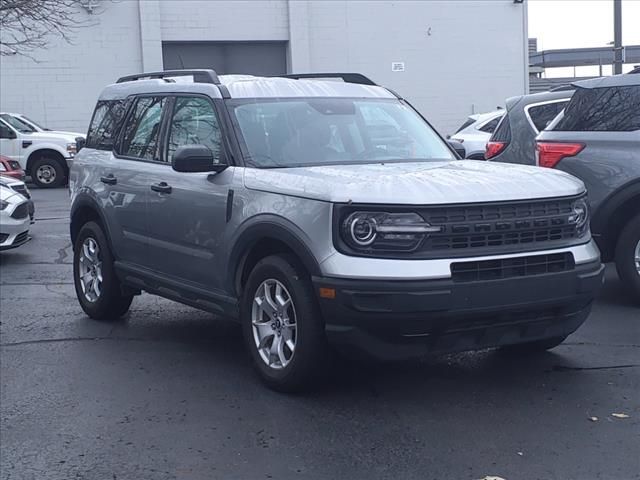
(44, 155)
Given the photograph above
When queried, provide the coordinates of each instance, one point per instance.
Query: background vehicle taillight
(493, 149)
(550, 153)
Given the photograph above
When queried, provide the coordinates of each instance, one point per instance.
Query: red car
(11, 168)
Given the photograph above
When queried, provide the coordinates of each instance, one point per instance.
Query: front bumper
(13, 233)
(400, 319)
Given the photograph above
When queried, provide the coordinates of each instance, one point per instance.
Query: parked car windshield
(37, 125)
(20, 125)
(329, 131)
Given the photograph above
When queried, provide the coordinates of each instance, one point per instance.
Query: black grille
(21, 211)
(3, 237)
(511, 267)
(492, 227)
(21, 238)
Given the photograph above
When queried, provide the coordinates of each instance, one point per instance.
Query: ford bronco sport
(321, 213)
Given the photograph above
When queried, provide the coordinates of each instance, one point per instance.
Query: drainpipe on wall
(150, 35)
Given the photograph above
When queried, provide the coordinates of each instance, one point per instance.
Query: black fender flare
(85, 199)
(271, 227)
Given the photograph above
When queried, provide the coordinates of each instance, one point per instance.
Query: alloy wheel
(90, 269)
(273, 322)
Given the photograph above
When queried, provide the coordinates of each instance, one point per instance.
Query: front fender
(273, 227)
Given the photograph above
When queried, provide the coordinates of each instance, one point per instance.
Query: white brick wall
(61, 89)
(460, 56)
(222, 20)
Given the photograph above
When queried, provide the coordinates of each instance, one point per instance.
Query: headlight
(72, 148)
(381, 231)
(580, 215)
(3, 204)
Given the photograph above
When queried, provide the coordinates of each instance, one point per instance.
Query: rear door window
(105, 124)
(542, 115)
(614, 109)
(142, 129)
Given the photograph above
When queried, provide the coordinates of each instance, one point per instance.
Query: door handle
(109, 179)
(161, 187)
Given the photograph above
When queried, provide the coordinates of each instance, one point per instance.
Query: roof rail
(346, 77)
(562, 88)
(199, 76)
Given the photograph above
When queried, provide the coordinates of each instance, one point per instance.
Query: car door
(123, 176)
(186, 212)
(9, 142)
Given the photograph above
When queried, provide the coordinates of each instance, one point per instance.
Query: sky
(581, 23)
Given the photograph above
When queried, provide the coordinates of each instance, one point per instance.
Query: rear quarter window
(490, 126)
(611, 109)
(542, 115)
(502, 132)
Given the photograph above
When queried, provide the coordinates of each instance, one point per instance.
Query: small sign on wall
(397, 66)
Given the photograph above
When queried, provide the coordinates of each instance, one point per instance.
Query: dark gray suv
(597, 139)
(514, 139)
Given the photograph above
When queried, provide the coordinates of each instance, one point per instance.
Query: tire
(306, 363)
(537, 346)
(627, 261)
(47, 172)
(107, 303)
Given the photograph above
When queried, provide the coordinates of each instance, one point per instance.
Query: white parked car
(43, 154)
(14, 219)
(476, 131)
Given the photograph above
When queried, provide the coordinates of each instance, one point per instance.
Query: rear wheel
(628, 257)
(97, 287)
(47, 172)
(282, 325)
(534, 347)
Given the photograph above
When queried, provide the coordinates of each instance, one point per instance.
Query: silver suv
(321, 213)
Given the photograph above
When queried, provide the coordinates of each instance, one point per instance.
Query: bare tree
(29, 25)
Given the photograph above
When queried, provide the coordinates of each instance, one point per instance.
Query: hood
(9, 195)
(50, 136)
(419, 183)
(69, 134)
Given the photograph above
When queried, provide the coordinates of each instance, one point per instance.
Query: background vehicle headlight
(382, 231)
(71, 148)
(580, 216)
(3, 204)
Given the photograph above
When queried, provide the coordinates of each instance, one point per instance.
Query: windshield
(34, 124)
(330, 131)
(18, 124)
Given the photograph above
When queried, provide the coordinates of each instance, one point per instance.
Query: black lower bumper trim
(396, 319)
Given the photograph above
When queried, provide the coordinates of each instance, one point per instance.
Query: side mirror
(458, 147)
(81, 142)
(7, 133)
(195, 158)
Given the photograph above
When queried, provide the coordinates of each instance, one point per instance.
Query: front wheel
(628, 257)
(47, 173)
(282, 325)
(97, 287)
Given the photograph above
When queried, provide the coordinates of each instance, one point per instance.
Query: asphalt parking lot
(168, 393)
